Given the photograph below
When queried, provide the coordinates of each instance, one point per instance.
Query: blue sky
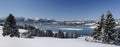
(60, 9)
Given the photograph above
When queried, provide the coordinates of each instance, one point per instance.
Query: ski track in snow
(47, 42)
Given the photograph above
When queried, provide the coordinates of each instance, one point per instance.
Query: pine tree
(108, 34)
(10, 27)
(117, 37)
(33, 32)
(10, 20)
(60, 34)
(105, 30)
(71, 35)
(75, 35)
(49, 33)
(41, 33)
(55, 34)
(98, 30)
(66, 35)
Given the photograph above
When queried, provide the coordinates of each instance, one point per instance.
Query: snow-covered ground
(92, 27)
(47, 42)
(70, 29)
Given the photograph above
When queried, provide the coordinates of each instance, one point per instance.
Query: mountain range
(24, 20)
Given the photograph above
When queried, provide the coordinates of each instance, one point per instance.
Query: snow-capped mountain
(24, 20)
(38, 18)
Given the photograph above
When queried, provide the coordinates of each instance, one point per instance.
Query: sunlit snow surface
(70, 29)
(92, 27)
(47, 42)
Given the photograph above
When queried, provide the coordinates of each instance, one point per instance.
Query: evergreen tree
(33, 32)
(10, 21)
(41, 33)
(10, 27)
(71, 35)
(60, 34)
(98, 30)
(55, 34)
(105, 30)
(108, 33)
(49, 33)
(117, 37)
(75, 35)
(66, 35)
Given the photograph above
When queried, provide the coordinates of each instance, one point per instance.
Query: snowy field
(47, 42)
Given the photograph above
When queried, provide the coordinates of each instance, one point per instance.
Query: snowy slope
(47, 42)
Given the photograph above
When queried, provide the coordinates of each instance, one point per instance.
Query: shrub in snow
(26, 35)
(10, 27)
(35, 32)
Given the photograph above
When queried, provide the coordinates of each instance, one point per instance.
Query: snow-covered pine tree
(49, 33)
(117, 37)
(66, 35)
(60, 34)
(98, 30)
(41, 33)
(10, 27)
(75, 35)
(108, 33)
(55, 34)
(71, 35)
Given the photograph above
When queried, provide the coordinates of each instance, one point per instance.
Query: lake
(80, 29)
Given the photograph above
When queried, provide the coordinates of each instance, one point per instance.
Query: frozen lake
(80, 29)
